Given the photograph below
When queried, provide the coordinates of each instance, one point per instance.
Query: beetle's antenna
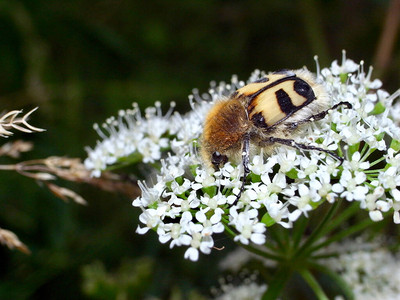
(245, 160)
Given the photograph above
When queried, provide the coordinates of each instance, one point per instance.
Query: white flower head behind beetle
(345, 148)
(370, 270)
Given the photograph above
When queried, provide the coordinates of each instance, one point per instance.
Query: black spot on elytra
(284, 101)
(259, 120)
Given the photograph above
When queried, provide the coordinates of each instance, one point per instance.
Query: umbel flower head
(186, 204)
(369, 268)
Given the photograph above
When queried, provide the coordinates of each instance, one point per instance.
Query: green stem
(363, 150)
(298, 231)
(340, 235)
(370, 151)
(377, 161)
(251, 249)
(342, 217)
(277, 284)
(341, 283)
(229, 231)
(371, 178)
(272, 247)
(317, 232)
(264, 254)
(373, 171)
(313, 283)
(286, 240)
(325, 255)
(275, 235)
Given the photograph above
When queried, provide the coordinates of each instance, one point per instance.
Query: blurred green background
(82, 61)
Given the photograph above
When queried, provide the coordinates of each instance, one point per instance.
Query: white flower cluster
(131, 134)
(188, 204)
(372, 272)
(248, 290)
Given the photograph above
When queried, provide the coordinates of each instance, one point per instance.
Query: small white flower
(277, 211)
(376, 215)
(350, 186)
(259, 167)
(302, 202)
(390, 179)
(277, 184)
(149, 195)
(203, 179)
(248, 227)
(347, 66)
(307, 167)
(180, 189)
(198, 242)
(356, 163)
(151, 218)
(211, 225)
(287, 159)
(176, 233)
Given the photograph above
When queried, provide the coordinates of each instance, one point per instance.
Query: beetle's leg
(318, 116)
(292, 143)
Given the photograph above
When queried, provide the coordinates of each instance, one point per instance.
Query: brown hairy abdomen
(225, 126)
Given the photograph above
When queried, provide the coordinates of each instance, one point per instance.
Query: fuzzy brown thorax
(224, 128)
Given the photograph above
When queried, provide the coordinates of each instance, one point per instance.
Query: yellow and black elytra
(263, 114)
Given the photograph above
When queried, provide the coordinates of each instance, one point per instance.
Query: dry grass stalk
(71, 169)
(14, 149)
(9, 239)
(12, 120)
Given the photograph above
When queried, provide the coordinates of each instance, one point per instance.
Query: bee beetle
(263, 114)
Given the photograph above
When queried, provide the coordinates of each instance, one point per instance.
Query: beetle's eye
(218, 159)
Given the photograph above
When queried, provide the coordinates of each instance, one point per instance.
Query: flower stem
(377, 161)
(343, 216)
(277, 284)
(317, 232)
(342, 284)
(251, 249)
(298, 231)
(313, 283)
(342, 234)
(277, 237)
